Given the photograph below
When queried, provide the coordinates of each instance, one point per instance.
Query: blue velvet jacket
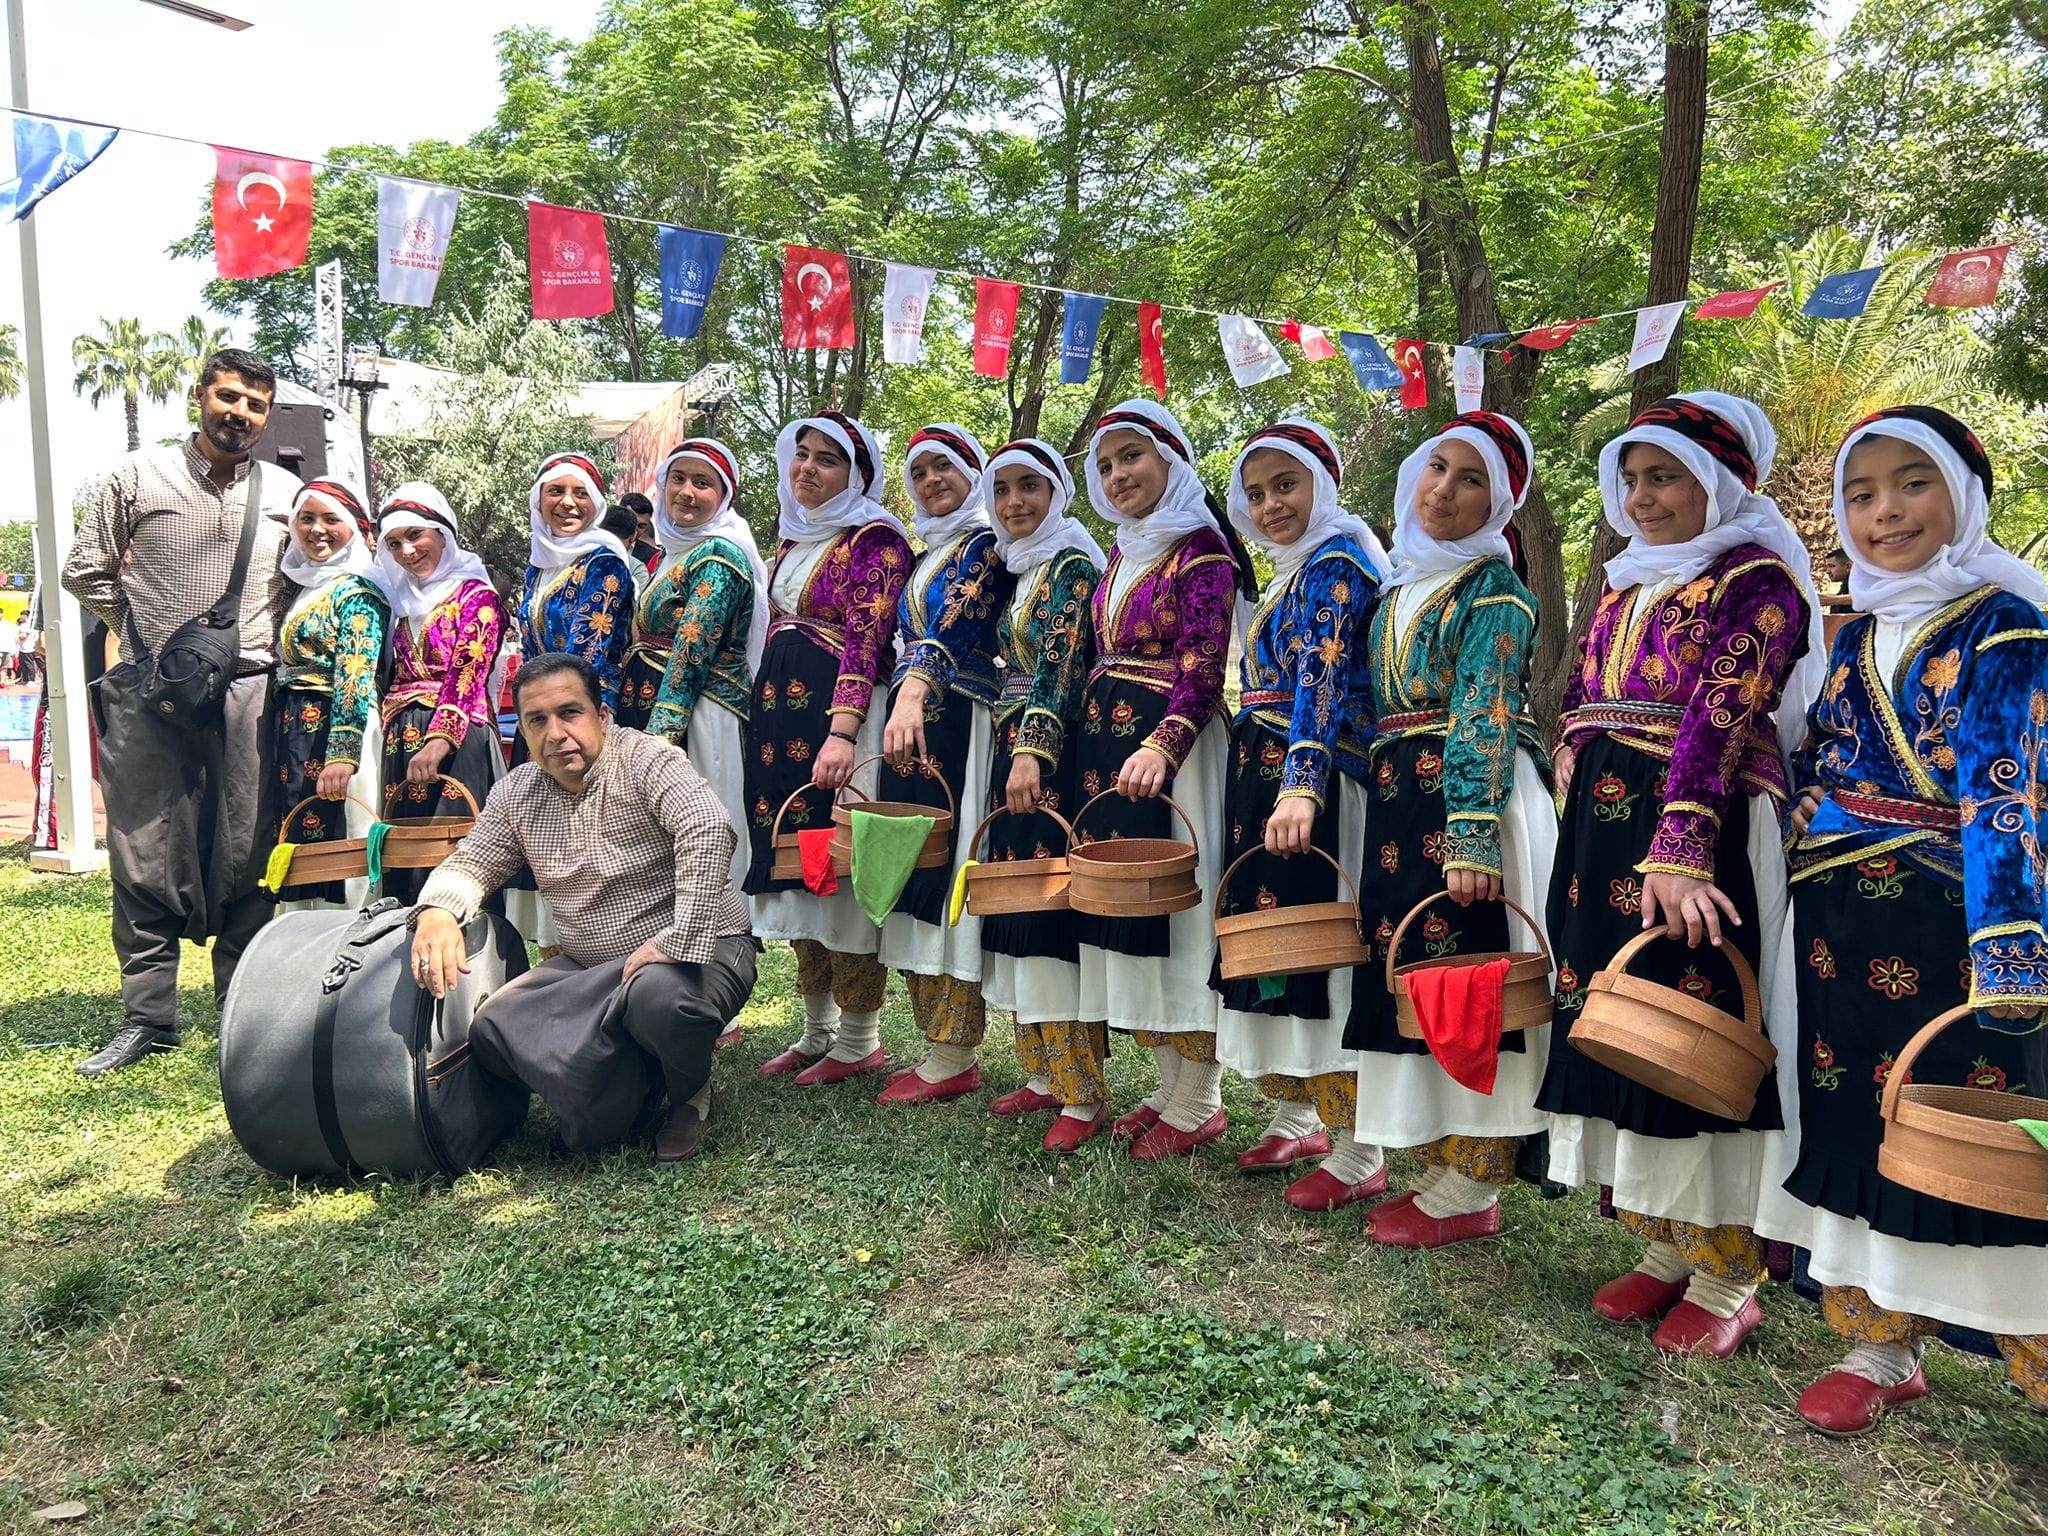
(586, 609)
(946, 618)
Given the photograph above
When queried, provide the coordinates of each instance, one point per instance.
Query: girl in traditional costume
(938, 742)
(327, 654)
(1032, 961)
(1917, 879)
(1151, 723)
(832, 595)
(1295, 783)
(1458, 807)
(1674, 781)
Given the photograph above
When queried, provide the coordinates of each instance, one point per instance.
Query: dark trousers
(189, 817)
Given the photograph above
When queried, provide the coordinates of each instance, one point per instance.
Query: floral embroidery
(1390, 857)
(1880, 877)
(1571, 997)
(1389, 783)
(1693, 984)
(1625, 895)
(1894, 978)
(1438, 938)
(798, 751)
(1822, 960)
(1123, 720)
(1433, 847)
(767, 694)
(1984, 1075)
(1827, 1072)
(1266, 901)
(1611, 799)
(1571, 892)
(1429, 771)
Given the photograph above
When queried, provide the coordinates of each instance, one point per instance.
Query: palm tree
(125, 360)
(197, 340)
(10, 362)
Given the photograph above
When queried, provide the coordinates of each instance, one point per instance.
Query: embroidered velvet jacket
(1945, 764)
(1301, 676)
(331, 646)
(694, 616)
(1047, 653)
(947, 617)
(1458, 669)
(447, 662)
(1691, 679)
(1169, 630)
(586, 609)
(849, 604)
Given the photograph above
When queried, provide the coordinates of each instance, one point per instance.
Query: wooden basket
(1133, 876)
(1526, 1001)
(788, 861)
(1673, 1042)
(334, 858)
(1958, 1143)
(1289, 941)
(1010, 886)
(938, 843)
(422, 842)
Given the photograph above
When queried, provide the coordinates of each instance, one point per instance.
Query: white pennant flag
(414, 221)
(906, 294)
(1250, 352)
(1655, 327)
(1468, 374)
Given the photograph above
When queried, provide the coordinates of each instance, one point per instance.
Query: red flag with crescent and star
(1736, 303)
(817, 300)
(995, 323)
(262, 213)
(1152, 347)
(1968, 279)
(568, 262)
(1549, 338)
(1407, 355)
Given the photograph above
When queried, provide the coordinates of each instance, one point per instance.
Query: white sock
(821, 1023)
(944, 1061)
(1353, 1161)
(1664, 1262)
(1885, 1364)
(1169, 1073)
(700, 1101)
(1431, 1176)
(1455, 1195)
(1197, 1094)
(1291, 1119)
(1723, 1298)
(1039, 1085)
(1088, 1113)
(860, 1036)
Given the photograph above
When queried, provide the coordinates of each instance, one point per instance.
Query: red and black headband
(577, 461)
(1947, 428)
(1310, 442)
(953, 441)
(703, 448)
(1145, 424)
(863, 461)
(433, 515)
(1501, 432)
(1037, 454)
(344, 498)
(1710, 429)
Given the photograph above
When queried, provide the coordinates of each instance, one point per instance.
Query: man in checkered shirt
(633, 850)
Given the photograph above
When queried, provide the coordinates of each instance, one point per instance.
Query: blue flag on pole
(1842, 296)
(46, 155)
(1079, 322)
(1369, 361)
(689, 266)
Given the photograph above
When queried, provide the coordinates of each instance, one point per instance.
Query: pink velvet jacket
(1170, 631)
(849, 607)
(449, 664)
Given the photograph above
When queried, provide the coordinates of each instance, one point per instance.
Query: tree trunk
(133, 408)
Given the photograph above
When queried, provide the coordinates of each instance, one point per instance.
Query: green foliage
(17, 545)
(125, 362)
(11, 376)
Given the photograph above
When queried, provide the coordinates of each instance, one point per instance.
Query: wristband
(841, 736)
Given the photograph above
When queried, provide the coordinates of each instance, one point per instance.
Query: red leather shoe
(1690, 1329)
(1405, 1224)
(1842, 1403)
(1067, 1132)
(1023, 1101)
(1637, 1297)
(727, 1039)
(786, 1062)
(1163, 1141)
(1136, 1123)
(828, 1070)
(909, 1088)
(1321, 1190)
(1270, 1154)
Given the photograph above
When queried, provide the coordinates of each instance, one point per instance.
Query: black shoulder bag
(185, 682)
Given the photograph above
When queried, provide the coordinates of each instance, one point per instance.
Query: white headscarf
(1308, 444)
(1415, 555)
(353, 558)
(852, 507)
(1968, 561)
(1183, 507)
(416, 504)
(548, 552)
(726, 523)
(1684, 426)
(1058, 530)
(963, 450)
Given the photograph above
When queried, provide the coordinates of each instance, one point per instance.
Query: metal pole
(70, 726)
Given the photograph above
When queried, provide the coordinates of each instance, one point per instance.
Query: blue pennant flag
(689, 266)
(1487, 338)
(46, 155)
(1369, 361)
(1842, 296)
(1079, 322)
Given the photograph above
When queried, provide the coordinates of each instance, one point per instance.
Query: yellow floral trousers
(1485, 1159)
(1334, 1095)
(1851, 1313)
(948, 1010)
(856, 982)
(1731, 1253)
(1195, 1045)
(1069, 1056)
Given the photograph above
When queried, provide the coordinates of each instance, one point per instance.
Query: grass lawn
(847, 1320)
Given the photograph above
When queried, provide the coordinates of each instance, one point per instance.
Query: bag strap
(228, 610)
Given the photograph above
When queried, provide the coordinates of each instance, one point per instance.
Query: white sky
(305, 77)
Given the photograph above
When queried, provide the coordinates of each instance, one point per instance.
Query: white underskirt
(717, 746)
(1037, 988)
(934, 949)
(835, 921)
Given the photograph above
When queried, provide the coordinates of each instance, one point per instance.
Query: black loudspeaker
(296, 439)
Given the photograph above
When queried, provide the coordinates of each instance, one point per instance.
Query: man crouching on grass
(634, 851)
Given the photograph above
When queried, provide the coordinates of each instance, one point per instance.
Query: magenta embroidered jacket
(849, 604)
(1692, 678)
(448, 663)
(1170, 631)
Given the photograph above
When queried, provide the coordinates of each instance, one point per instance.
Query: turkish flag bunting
(262, 213)
(1414, 381)
(568, 261)
(1152, 347)
(1736, 303)
(1968, 279)
(995, 323)
(817, 300)
(1551, 337)
(1315, 345)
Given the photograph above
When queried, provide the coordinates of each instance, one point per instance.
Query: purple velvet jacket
(1170, 631)
(849, 606)
(1693, 680)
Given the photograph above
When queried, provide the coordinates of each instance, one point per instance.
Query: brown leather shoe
(681, 1136)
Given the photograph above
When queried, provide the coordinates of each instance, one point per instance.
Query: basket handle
(974, 842)
(1223, 883)
(1193, 837)
(929, 766)
(449, 779)
(1745, 978)
(775, 826)
(285, 824)
(1902, 1068)
(1401, 929)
